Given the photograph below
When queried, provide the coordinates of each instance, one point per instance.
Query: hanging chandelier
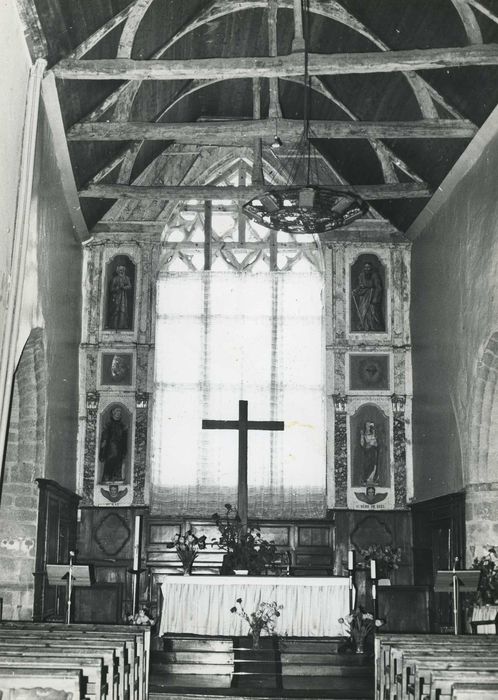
(303, 205)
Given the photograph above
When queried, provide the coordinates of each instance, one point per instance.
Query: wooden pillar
(242, 500)
(208, 229)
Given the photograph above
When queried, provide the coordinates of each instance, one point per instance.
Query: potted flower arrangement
(487, 591)
(263, 618)
(359, 627)
(142, 617)
(387, 558)
(187, 547)
(245, 549)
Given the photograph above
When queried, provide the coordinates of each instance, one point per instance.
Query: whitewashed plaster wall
(455, 338)
(15, 63)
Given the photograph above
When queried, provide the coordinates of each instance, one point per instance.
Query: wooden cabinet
(56, 537)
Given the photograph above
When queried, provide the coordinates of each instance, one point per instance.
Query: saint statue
(368, 298)
(119, 306)
(113, 447)
(370, 453)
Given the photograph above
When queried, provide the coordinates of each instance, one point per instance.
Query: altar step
(282, 668)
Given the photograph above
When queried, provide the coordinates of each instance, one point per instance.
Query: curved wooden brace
(333, 10)
(130, 29)
(484, 10)
(469, 21)
(102, 31)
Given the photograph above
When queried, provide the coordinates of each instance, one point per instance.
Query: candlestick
(373, 569)
(351, 559)
(137, 542)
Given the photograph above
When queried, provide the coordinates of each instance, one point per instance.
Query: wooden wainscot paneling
(56, 537)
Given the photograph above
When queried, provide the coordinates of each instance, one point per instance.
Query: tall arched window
(251, 327)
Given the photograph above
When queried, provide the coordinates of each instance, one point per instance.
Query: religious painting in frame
(119, 299)
(370, 457)
(114, 455)
(367, 295)
(369, 437)
(369, 372)
(116, 369)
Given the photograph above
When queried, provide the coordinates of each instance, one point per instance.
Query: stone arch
(24, 462)
(484, 416)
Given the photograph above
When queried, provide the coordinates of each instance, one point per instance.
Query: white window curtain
(226, 336)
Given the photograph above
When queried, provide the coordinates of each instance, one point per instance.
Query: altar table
(201, 604)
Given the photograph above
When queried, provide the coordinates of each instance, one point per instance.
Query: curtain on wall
(221, 337)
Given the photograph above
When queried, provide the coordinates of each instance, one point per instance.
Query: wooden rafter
(230, 132)
(469, 21)
(102, 32)
(155, 228)
(163, 192)
(279, 66)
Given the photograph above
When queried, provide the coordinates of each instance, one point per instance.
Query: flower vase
(360, 645)
(256, 633)
(187, 569)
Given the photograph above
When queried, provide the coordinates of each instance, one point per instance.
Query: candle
(373, 569)
(351, 559)
(136, 546)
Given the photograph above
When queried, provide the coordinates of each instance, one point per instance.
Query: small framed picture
(116, 369)
(369, 372)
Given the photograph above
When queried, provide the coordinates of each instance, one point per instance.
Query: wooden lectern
(71, 575)
(452, 582)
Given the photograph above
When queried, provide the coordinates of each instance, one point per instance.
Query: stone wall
(24, 462)
(454, 331)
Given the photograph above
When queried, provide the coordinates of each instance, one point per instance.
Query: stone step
(257, 667)
(305, 683)
(201, 657)
(321, 646)
(328, 659)
(192, 669)
(173, 643)
(252, 693)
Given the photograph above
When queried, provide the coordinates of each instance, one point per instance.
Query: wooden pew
(115, 672)
(442, 682)
(474, 691)
(17, 683)
(404, 657)
(140, 633)
(423, 669)
(390, 648)
(90, 667)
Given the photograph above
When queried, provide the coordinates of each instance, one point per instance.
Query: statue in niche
(113, 446)
(367, 312)
(369, 447)
(120, 294)
(369, 444)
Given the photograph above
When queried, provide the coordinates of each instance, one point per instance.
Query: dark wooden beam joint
(399, 190)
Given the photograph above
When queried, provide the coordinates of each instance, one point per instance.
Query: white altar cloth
(201, 604)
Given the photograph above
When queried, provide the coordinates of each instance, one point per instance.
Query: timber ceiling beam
(288, 129)
(181, 192)
(278, 66)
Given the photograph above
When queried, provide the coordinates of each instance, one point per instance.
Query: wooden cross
(243, 425)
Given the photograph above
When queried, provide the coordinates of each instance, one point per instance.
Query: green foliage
(245, 549)
(487, 592)
(387, 557)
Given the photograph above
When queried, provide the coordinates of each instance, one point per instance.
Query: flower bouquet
(142, 617)
(359, 625)
(264, 618)
(187, 547)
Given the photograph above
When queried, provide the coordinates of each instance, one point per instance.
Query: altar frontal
(202, 604)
